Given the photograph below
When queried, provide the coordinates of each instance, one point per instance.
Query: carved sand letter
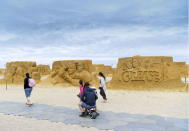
(150, 70)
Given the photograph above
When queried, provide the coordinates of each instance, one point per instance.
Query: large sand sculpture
(148, 71)
(71, 71)
(137, 71)
(44, 69)
(15, 71)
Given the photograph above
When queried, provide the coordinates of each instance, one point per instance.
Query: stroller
(91, 112)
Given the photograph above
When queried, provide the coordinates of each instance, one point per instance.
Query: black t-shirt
(26, 83)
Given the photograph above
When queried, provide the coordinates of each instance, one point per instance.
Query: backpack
(31, 82)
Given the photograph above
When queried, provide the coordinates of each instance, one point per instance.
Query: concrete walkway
(106, 120)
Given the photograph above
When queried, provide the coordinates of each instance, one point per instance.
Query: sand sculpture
(15, 71)
(108, 70)
(98, 68)
(43, 69)
(2, 71)
(71, 71)
(102, 68)
(147, 71)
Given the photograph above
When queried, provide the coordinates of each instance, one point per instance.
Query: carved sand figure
(81, 73)
(15, 71)
(19, 74)
(71, 71)
(140, 71)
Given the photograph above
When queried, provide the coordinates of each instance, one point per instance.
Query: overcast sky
(101, 30)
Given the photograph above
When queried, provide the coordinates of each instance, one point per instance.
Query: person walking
(28, 88)
(102, 86)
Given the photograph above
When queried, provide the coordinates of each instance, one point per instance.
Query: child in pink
(81, 87)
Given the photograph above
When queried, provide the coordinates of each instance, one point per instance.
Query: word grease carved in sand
(148, 71)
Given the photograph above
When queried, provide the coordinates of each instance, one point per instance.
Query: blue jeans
(28, 92)
(84, 105)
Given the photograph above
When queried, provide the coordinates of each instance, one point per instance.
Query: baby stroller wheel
(93, 115)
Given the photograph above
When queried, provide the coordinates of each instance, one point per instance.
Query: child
(81, 88)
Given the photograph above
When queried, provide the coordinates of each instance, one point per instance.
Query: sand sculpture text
(148, 70)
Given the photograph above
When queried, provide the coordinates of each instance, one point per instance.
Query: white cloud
(6, 36)
(102, 45)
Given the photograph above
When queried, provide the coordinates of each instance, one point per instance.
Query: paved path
(106, 120)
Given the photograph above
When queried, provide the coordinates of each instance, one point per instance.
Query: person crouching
(88, 100)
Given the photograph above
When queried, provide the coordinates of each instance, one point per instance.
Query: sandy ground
(168, 104)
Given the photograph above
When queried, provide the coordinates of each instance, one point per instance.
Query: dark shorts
(28, 92)
(84, 105)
